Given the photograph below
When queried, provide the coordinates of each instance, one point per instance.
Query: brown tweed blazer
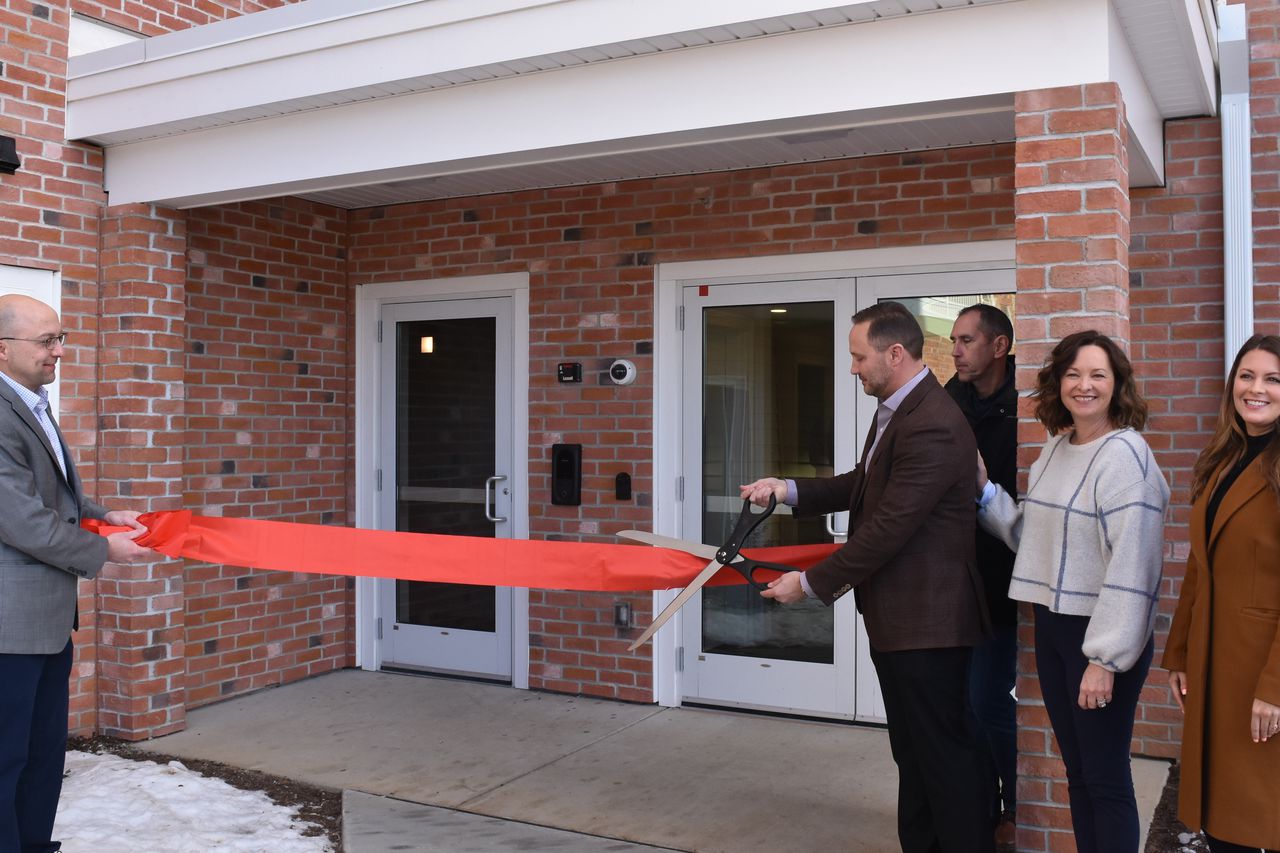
(910, 553)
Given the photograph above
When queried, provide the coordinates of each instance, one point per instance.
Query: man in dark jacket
(983, 388)
(909, 561)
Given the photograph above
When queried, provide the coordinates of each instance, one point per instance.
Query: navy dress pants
(33, 747)
(1094, 743)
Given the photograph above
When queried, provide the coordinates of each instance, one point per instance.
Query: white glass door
(766, 394)
(445, 429)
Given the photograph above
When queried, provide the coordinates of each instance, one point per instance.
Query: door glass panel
(937, 314)
(445, 451)
(768, 408)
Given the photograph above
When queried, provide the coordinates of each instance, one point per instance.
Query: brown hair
(1127, 409)
(1228, 441)
(891, 323)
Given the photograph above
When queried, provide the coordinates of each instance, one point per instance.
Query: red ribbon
(320, 549)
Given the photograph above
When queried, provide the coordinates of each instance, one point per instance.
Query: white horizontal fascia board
(186, 73)
(1145, 123)
(658, 145)
(985, 51)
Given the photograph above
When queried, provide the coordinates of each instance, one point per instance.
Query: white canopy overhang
(368, 102)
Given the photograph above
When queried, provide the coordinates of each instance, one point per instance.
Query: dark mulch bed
(319, 806)
(1167, 833)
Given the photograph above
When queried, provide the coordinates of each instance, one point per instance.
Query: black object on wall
(622, 487)
(566, 474)
(9, 159)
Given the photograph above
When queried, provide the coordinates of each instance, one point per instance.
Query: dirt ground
(1167, 833)
(319, 806)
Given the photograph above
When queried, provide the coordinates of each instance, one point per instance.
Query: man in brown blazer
(909, 560)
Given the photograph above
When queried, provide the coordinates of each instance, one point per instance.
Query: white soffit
(1174, 44)
(802, 84)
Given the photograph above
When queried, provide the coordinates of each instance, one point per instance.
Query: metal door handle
(488, 506)
(831, 526)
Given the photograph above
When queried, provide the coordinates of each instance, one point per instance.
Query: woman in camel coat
(1223, 652)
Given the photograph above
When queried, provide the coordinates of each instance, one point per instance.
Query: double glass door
(446, 436)
(767, 392)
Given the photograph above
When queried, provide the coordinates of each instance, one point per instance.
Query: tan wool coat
(1224, 637)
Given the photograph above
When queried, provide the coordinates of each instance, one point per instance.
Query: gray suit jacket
(43, 549)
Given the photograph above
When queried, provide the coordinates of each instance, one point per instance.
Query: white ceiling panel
(948, 131)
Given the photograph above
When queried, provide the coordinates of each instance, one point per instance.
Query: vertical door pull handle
(831, 527)
(488, 500)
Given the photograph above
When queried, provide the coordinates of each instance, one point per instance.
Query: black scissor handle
(747, 567)
(746, 525)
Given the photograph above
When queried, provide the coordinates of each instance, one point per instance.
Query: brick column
(141, 649)
(1072, 224)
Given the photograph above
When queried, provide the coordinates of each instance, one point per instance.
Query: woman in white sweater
(1089, 539)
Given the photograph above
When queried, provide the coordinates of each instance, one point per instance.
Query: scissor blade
(698, 550)
(671, 609)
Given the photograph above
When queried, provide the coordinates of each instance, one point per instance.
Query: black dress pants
(945, 776)
(1217, 845)
(1094, 743)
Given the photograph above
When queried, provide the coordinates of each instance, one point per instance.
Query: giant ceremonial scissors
(726, 556)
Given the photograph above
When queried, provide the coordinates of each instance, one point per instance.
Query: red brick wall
(140, 636)
(1176, 297)
(49, 219)
(1073, 227)
(155, 17)
(1264, 102)
(590, 252)
(268, 419)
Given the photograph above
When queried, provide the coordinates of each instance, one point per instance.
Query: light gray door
(446, 438)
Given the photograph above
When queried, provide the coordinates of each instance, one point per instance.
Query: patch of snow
(116, 805)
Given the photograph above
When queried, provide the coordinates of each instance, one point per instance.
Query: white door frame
(45, 285)
(669, 279)
(369, 301)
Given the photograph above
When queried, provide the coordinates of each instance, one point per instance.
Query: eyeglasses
(48, 343)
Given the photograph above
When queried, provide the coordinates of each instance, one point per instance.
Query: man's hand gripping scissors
(726, 556)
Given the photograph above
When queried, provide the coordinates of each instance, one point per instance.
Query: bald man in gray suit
(43, 554)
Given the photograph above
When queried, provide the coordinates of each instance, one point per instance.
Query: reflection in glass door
(446, 453)
(768, 405)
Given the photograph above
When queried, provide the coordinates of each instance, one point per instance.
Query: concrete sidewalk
(429, 764)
